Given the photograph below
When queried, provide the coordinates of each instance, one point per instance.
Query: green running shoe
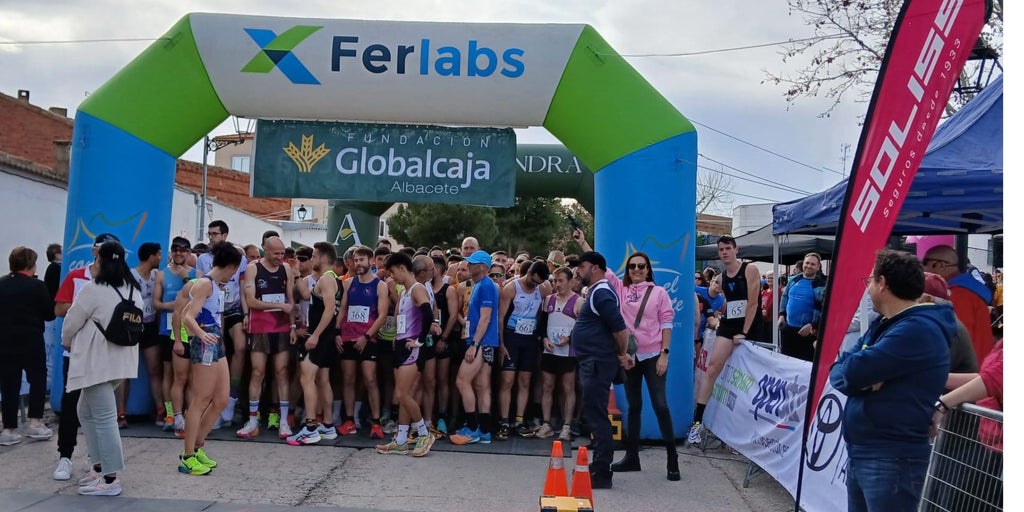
(204, 460)
(273, 421)
(192, 466)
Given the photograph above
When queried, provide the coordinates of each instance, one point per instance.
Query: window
(240, 163)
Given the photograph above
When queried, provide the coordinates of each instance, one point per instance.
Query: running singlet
(172, 285)
(362, 309)
(270, 287)
(442, 304)
(213, 306)
(408, 317)
(304, 304)
(232, 289)
(523, 319)
(146, 285)
(561, 319)
(388, 331)
(735, 290)
(317, 309)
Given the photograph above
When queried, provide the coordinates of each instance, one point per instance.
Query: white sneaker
(102, 488)
(566, 434)
(229, 412)
(9, 438)
(327, 433)
(284, 431)
(63, 471)
(696, 433)
(305, 436)
(90, 479)
(390, 427)
(250, 430)
(40, 432)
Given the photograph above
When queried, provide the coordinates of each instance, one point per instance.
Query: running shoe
(465, 436)
(435, 433)
(168, 424)
(229, 411)
(204, 460)
(348, 428)
(696, 433)
(250, 430)
(327, 432)
(393, 448)
(305, 436)
(41, 432)
(102, 488)
(525, 430)
(503, 432)
(485, 438)
(63, 471)
(376, 432)
(423, 444)
(544, 432)
(285, 431)
(179, 428)
(90, 479)
(274, 421)
(10, 438)
(442, 426)
(566, 434)
(390, 427)
(192, 466)
(122, 421)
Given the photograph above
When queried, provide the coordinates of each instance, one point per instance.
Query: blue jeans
(595, 383)
(889, 485)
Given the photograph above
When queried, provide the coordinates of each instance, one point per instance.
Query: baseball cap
(936, 286)
(479, 258)
(103, 238)
(181, 242)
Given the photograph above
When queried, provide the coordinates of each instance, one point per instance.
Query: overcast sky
(721, 90)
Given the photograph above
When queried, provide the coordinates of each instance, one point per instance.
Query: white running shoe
(305, 436)
(284, 431)
(229, 412)
(696, 433)
(250, 430)
(9, 438)
(41, 432)
(90, 479)
(102, 488)
(327, 433)
(63, 471)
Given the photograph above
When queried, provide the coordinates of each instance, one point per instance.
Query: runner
(150, 255)
(448, 307)
(167, 285)
(561, 309)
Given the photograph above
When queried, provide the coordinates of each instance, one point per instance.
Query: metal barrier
(965, 472)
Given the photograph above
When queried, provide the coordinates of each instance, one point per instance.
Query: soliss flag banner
(930, 43)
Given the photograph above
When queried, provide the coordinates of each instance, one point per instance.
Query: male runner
(448, 307)
(167, 284)
(150, 256)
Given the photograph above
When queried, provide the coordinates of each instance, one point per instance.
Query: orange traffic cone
(613, 408)
(556, 482)
(581, 478)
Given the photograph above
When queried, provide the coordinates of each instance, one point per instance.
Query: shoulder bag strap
(643, 305)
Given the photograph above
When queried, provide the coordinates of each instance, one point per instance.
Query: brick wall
(33, 133)
(230, 187)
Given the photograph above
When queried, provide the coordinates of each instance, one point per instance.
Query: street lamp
(302, 212)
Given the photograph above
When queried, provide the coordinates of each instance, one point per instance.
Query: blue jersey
(172, 285)
(484, 295)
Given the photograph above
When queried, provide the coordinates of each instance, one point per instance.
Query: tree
(848, 47)
(563, 240)
(417, 225)
(529, 226)
(712, 190)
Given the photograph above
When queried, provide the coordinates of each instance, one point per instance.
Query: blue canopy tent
(957, 190)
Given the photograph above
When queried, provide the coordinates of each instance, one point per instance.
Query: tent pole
(775, 293)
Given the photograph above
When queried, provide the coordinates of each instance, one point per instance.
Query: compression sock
(698, 413)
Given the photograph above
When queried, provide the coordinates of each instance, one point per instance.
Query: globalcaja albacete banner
(385, 163)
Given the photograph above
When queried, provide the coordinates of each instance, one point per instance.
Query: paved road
(274, 476)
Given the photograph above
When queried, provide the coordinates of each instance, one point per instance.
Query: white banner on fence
(757, 408)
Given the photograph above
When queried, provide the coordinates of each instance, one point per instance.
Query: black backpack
(125, 325)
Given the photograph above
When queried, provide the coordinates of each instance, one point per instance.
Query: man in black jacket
(25, 305)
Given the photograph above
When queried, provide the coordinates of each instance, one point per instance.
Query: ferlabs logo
(305, 157)
(276, 51)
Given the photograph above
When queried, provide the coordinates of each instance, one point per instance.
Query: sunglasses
(302, 258)
(637, 266)
(496, 275)
(555, 264)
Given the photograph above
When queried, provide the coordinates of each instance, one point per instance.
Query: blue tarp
(958, 189)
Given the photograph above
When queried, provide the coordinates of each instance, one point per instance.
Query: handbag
(632, 345)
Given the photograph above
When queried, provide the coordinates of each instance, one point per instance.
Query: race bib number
(466, 333)
(359, 314)
(389, 324)
(223, 300)
(148, 310)
(526, 326)
(170, 319)
(274, 298)
(555, 335)
(400, 323)
(735, 309)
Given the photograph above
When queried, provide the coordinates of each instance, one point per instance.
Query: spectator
(961, 352)
(891, 377)
(970, 296)
(98, 366)
(800, 309)
(25, 305)
(54, 254)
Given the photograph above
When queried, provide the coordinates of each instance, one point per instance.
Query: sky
(725, 91)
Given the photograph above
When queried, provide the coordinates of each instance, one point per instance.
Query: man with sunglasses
(167, 284)
(519, 344)
(970, 296)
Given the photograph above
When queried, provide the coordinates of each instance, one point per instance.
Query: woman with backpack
(101, 331)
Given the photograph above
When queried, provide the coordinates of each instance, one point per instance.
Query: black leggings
(33, 362)
(67, 430)
(647, 370)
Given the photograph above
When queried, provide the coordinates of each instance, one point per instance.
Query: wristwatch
(664, 351)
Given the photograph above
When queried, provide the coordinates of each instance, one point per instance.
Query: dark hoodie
(909, 355)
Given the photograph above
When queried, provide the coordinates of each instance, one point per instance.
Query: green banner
(392, 163)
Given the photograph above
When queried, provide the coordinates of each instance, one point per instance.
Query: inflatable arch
(129, 132)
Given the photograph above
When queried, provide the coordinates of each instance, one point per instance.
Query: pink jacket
(658, 314)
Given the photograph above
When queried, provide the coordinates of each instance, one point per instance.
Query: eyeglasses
(867, 280)
(496, 275)
(302, 258)
(927, 261)
(538, 281)
(637, 266)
